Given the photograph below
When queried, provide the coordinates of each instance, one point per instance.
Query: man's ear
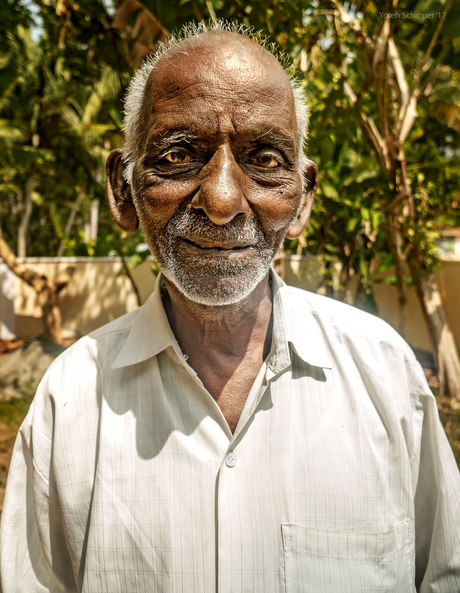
(119, 194)
(308, 197)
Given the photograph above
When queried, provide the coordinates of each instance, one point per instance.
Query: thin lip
(209, 244)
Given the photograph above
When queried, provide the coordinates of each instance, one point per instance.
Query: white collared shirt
(125, 476)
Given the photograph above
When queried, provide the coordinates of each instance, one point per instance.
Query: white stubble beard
(227, 281)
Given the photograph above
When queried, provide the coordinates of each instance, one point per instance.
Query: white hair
(133, 123)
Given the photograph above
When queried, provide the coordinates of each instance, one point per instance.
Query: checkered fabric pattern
(126, 478)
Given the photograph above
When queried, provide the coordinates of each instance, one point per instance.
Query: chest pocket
(324, 561)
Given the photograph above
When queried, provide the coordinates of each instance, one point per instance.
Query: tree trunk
(127, 271)
(52, 318)
(70, 221)
(442, 340)
(47, 290)
(402, 300)
(27, 212)
(328, 274)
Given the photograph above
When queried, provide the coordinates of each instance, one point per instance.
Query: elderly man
(233, 434)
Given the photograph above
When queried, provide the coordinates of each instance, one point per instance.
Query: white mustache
(192, 224)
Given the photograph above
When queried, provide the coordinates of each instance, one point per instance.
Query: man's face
(216, 186)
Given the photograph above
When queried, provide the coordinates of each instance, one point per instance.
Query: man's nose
(221, 196)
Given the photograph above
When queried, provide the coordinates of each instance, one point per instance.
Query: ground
(22, 365)
(11, 415)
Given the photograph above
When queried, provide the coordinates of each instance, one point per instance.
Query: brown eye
(267, 161)
(177, 157)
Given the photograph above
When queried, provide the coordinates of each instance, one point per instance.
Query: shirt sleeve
(437, 501)
(34, 554)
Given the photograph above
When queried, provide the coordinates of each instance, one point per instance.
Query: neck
(228, 330)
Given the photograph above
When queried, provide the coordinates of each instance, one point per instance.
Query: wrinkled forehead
(227, 65)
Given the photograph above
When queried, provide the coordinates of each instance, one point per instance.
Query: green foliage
(57, 107)
(350, 218)
(61, 102)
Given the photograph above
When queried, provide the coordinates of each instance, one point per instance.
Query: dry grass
(11, 416)
(450, 419)
(449, 413)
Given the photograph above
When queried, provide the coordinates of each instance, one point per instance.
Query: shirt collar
(294, 324)
(150, 332)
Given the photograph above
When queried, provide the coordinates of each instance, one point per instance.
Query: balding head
(228, 56)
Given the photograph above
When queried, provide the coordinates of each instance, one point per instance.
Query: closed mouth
(218, 246)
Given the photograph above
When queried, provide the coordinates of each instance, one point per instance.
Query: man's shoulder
(355, 344)
(343, 320)
(122, 324)
(101, 345)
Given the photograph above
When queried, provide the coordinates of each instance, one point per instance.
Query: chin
(214, 277)
(216, 288)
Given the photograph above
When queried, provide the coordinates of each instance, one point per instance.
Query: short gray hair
(134, 99)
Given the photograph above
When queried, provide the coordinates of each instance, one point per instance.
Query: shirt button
(231, 459)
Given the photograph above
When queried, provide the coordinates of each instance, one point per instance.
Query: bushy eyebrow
(163, 140)
(276, 138)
